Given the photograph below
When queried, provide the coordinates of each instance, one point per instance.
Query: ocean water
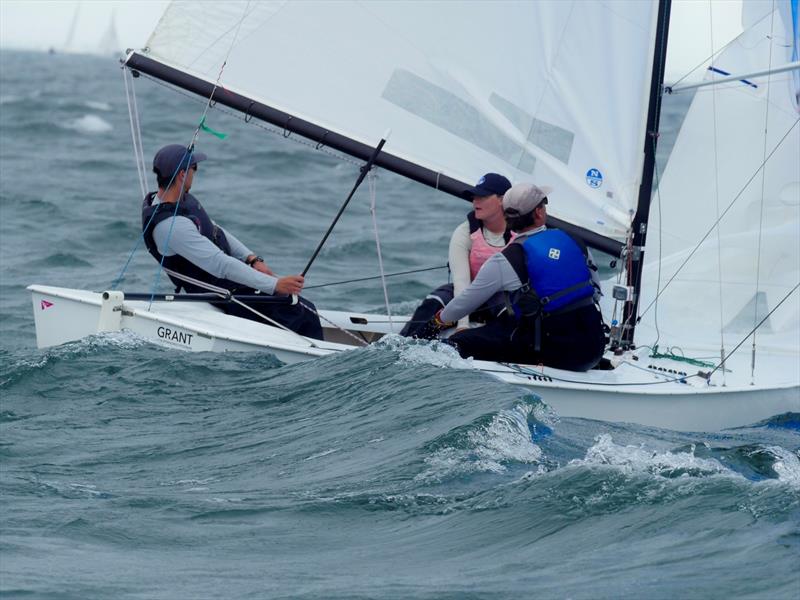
(131, 471)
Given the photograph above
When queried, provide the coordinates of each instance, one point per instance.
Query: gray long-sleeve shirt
(495, 277)
(189, 243)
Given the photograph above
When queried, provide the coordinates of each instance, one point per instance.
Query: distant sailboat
(109, 43)
(80, 38)
(69, 41)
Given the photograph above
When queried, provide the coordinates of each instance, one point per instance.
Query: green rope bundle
(680, 358)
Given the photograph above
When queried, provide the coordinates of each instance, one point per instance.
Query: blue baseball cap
(170, 159)
(488, 185)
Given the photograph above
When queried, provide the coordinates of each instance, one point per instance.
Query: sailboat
(109, 44)
(704, 311)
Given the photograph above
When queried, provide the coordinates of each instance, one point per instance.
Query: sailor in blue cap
(179, 234)
(483, 234)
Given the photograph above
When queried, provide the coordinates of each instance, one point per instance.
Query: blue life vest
(557, 269)
(554, 275)
(190, 208)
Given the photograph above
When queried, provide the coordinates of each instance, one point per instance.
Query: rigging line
(660, 238)
(139, 157)
(219, 77)
(620, 267)
(142, 181)
(140, 239)
(321, 285)
(373, 210)
(761, 202)
(716, 196)
(320, 316)
(714, 54)
(629, 271)
(259, 124)
(219, 38)
(188, 154)
(226, 294)
(722, 216)
(362, 175)
(138, 131)
(752, 331)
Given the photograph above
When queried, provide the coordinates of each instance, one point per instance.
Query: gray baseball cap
(174, 157)
(522, 198)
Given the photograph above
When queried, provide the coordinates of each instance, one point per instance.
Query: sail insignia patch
(594, 178)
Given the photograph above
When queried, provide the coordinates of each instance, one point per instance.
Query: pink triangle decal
(46, 304)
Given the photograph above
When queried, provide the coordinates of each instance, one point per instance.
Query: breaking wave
(89, 124)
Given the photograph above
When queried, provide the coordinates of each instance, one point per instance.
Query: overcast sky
(44, 24)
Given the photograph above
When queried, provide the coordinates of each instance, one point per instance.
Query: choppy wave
(89, 124)
(97, 105)
(128, 470)
(486, 445)
(7, 99)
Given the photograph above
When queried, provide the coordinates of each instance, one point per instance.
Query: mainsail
(550, 92)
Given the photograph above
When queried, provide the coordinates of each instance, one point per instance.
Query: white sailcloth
(741, 272)
(553, 92)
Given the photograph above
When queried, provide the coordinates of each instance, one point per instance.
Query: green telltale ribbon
(214, 132)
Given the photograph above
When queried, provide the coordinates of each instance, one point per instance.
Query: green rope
(680, 357)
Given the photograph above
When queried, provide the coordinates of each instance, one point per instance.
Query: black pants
(574, 341)
(418, 325)
(296, 317)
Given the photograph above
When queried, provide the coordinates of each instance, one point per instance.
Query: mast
(639, 226)
(324, 137)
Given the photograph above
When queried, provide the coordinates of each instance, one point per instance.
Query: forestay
(747, 267)
(550, 92)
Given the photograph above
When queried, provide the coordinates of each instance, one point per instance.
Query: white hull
(639, 390)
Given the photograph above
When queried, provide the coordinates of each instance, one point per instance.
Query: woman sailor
(482, 235)
(550, 288)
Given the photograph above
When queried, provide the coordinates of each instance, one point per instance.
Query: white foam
(638, 459)
(13, 99)
(418, 352)
(321, 454)
(98, 105)
(91, 124)
(505, 439)
(116, 339)
(190, 482)
(86, 489)
(124, 339)
(786, 465)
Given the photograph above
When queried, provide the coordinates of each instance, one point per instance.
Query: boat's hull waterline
(659, 393)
